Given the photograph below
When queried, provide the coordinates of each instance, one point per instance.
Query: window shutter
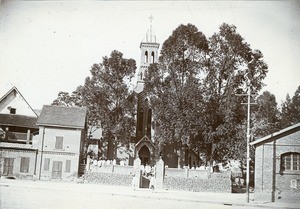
(24, 168)
(47, 163)
(59, 142)
(68, 165)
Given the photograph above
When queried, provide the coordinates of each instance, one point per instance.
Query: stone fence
(171, 178)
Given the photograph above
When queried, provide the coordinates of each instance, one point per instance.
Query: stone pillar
(88, 161)
(159, 174)
(136, 173)
(28, 137)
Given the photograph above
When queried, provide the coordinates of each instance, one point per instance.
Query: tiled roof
(72, 117)
(277, 135)
(18, 120)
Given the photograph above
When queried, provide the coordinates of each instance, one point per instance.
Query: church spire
(150, 36)
(149, 54)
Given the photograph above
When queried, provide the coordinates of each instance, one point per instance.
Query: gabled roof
(145, 139)
(11, 91)
(57, 116)
(18, 120)
(279, 134)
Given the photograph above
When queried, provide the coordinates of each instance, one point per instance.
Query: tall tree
(290, 110)
(266, 116)
(174, 85)
(108, 98)
(286, 112)
(232, 65)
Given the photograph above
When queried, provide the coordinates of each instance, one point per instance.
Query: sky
(49, 46)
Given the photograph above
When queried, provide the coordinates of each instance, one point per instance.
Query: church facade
(144, 144)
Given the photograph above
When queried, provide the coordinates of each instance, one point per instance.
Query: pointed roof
(12, 91)
(279, 134)
(150, 35)
(145, 139)
(58, 116)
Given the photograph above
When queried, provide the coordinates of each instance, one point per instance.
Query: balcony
(16, 137)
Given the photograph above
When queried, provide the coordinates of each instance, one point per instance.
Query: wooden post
(28, 137)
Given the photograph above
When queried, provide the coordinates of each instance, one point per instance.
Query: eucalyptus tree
(108, 98)
(290, 110)
(175, 86)
(232, 65)
(266, 115)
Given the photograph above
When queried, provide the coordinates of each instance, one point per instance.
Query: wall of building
(17, 154)
(271, 183)
(15, 100)
(72, 142)
(71, 139)
(46, 174)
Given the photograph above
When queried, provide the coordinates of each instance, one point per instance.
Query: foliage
(290, 110)
(266, 115)
(174, 84)
(232, 65)
(193, 90)
(107, 96)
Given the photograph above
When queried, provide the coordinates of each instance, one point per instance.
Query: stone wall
(166, 178)
(216, 183)
(108, 178)
(185, 173)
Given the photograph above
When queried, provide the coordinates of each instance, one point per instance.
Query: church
(144, 146)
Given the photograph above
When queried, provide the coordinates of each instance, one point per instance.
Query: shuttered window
(46, 164)
(59, 142)
(24, 168)
(68, 165)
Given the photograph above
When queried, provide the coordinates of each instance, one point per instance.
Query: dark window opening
(152, 57)
(146, 57)
(13, 110)
(141, 118)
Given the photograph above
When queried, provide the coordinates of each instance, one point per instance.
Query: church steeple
(150, 36)
(149, 54)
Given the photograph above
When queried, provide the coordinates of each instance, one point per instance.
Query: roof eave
(60, 126)
(276, 135)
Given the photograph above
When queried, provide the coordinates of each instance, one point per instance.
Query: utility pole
(248, 138)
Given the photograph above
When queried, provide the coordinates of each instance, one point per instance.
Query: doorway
(8, 166)
(57, 169)
(144, 155)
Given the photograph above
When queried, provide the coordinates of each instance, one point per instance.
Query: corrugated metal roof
(18, 120)
(73, 117)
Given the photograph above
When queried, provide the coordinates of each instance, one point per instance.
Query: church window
(152, 57)
(149, 118)
(290, 161)
(141, 118)
(146, 57)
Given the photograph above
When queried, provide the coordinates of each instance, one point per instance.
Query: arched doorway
(144, 155)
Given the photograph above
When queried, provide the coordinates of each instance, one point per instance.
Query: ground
(15, 194)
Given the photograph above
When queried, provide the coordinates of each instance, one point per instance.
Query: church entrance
(144, 155)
